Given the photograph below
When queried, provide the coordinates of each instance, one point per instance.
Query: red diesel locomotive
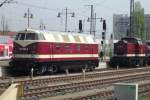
(129, 52)
(46, 51)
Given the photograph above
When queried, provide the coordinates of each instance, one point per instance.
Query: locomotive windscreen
(132, 40)
(29, 36)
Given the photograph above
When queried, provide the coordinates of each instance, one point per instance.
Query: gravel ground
(144, 98)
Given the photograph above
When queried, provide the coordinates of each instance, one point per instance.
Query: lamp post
(42, 26)
(95, 18)
(66, 17)
(29, 16)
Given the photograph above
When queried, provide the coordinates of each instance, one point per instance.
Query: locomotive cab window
(130, 40)
(20, 36)
(139, 42)
(29, 36)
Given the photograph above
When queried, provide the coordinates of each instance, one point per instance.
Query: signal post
(103, 42)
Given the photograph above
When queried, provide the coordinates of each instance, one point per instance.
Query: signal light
(103, 35)
(102, 42)
(111, 36)
(80, 25)
(73, 14)
(104, 25)
(58, 14)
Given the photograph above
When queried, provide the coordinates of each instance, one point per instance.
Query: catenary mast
(131, 18)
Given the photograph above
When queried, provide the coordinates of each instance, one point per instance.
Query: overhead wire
(36, 6)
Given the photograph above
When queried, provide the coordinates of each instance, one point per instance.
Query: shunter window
(130, 40)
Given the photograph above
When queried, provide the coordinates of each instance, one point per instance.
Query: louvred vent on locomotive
(43, 47)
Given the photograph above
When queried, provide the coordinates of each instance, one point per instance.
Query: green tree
(139, 23)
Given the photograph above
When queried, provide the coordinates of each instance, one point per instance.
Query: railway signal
(104, 25)
(80, 26)
(103, 35)
(104, 29)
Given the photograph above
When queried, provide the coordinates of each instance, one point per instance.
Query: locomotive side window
(67, 47)
(58, 46)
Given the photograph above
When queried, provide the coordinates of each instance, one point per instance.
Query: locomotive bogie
(128, 61)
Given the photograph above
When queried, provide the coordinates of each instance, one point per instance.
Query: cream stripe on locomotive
(54, 56)
(132, 55)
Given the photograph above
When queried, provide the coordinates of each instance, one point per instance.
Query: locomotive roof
(131, 38)
(67, 37)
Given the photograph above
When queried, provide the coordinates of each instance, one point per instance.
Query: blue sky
(47, 10)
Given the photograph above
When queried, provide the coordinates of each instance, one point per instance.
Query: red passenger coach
(6, 47)
(46, 51)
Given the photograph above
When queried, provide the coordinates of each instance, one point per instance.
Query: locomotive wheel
(52, 69)
(91, 68)
(141, 63)
(41, 70)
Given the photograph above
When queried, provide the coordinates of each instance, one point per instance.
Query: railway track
(43, 92)
(36, 81)
(144, 89)
(42, 87)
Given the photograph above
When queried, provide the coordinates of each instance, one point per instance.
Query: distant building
(8, 33)
(121, 25)
(147, 25)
